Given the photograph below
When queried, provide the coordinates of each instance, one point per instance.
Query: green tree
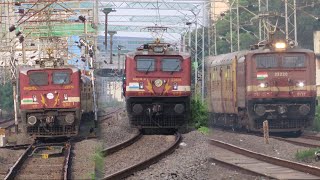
(6, 97)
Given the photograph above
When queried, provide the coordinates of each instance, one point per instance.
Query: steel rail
(296, 142)
(276, 161)
(142, 165)
(15, 168)
(13, 172)
(121, 145)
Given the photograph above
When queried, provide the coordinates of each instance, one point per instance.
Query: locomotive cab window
(292, 61)
(266, 61)
(145, 65)
(38, 78)
(171, 65)
(61, 78)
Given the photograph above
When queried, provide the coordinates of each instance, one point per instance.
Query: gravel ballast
(190, 161)
(7, 159)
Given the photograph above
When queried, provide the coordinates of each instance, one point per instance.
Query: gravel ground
(7, 159)
(116, 130)
(141, 150)
(83, 159)
(275, 147)
(190, 161)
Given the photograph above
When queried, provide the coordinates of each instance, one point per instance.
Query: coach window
(171, 64)
(38, 78)
(266, 61)
(145, 65)
(61, 78)
(293, 61)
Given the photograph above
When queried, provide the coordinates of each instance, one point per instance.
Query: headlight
(300, 84)
(34, 98)
(263, 85)
(175, 86)
(69, 118)
(32, 120)
(141, 85)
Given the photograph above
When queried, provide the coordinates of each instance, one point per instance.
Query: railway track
(110, 114)
(120, 154)
(261, 164)
(45, 161)
(306, 141)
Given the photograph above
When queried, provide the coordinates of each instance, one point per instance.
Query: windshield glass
(266, 61)
(61, 78)
(145, 64)
(172, 64)
(294, 61)
(38, 78)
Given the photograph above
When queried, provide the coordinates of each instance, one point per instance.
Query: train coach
(156, 86)
(53, 99)
(274, 82)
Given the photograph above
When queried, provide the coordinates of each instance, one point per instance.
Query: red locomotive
(274, 83)
(157, 86)
(53, 100)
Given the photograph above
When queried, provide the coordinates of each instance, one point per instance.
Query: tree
(6, 96)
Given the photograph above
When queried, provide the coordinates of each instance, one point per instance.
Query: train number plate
(281, 74)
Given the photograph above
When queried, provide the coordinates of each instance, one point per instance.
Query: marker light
(300, 84)
(65, 97)
(141, 85)
(263, 85)
(175, 86)
(34, 98)
(280, 45)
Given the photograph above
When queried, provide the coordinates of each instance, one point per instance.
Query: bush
(204, 130)
(199, 113)
(316, 123)
(306, 155)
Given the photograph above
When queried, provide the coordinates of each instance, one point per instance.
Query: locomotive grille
(282, 124)
(55, 130)
(165, 121)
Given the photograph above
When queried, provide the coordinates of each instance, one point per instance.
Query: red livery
(53, 100)
(276, 84)
(157, 86)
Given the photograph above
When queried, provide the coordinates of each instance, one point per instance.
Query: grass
(199, 113)
(306, 155)
(204, 130)
(99, 164)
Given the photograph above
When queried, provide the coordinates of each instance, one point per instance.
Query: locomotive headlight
(280, 45)
(65, 97)
(175, 86)
(300, 84)
(141, 85)
(34, 98)
(32, 120)
(50, 96)
(69, 118)
(263, 85)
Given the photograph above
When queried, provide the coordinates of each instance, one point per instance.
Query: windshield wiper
(64, 80)
(175, 69)
(34, 82)
(148, 68)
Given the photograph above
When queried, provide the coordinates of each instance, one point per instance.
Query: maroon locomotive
(156, 86)
(53, 100)
(274, 83)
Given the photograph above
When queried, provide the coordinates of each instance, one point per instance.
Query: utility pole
(111, 33)
(106, 11)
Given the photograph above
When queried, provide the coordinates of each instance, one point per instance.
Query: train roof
(25, 69)
(223, 59)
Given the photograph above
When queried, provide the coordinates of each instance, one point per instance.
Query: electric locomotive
(156, 86)
(273, 82)
(53, 98)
